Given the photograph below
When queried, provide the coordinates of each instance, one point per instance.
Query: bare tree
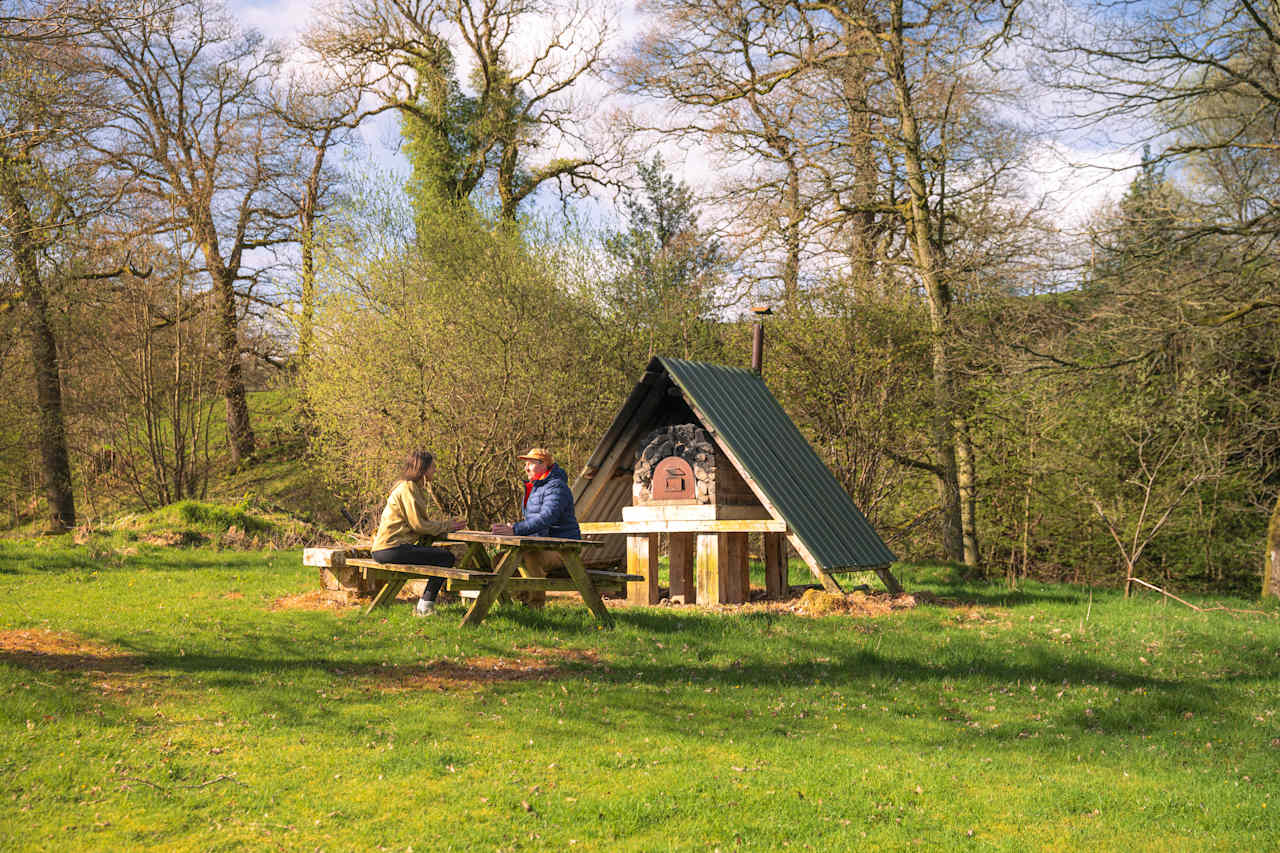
(928, 52)
(48, 103)
(193, 130)
(321, 116)
(512, 120)
(1134, 529)
(738, 73)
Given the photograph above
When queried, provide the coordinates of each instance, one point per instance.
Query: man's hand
(456, 524)
(503, 529)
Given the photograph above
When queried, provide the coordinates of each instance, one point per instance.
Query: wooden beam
(612, 581)
(690, 512)
(531, 585)
(374, 568)
(504, 569)
(531, 566)
(332, 558)
(636, 528)
(387, 593)
(484, 537)
(590, 596)
(722, 568)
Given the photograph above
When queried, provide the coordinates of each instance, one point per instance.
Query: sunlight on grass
(155, 699)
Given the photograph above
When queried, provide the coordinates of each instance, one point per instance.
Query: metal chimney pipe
(757, 337)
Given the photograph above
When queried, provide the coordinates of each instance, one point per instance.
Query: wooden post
(722, 568)
(776, 583)
(737, 569)
(642, 559)
(708, 567)
(680, 559)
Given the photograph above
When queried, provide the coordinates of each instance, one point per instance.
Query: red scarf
(528, 486)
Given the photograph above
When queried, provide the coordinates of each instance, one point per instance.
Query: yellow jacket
(404, 518)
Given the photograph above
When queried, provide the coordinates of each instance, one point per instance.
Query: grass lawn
(151, 697)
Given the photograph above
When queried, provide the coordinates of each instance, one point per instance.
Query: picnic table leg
(504, 569)
(477, 556)
(387, 594)
(590, 596)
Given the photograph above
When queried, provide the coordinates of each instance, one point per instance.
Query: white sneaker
(425, 608)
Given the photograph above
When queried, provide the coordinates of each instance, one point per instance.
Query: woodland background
(191, 235)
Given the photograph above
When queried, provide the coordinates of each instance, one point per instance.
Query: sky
(1074, 177)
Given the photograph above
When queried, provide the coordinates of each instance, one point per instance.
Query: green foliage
(667, 274)
(459, 144)
(462, 340)
(852, 375)
(251, 523)
(220, 517)
(184, 710)
(439, 132)
(1148, 438)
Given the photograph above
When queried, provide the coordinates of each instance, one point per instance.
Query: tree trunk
(856, 84)
(55, 463)
(791, 236)
(508, 197)
(239, 431)
(968, 485)
(307, 313)
(921, 231)
(1271, 568)
(306, 241)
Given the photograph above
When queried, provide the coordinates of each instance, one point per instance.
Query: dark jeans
(419, 555)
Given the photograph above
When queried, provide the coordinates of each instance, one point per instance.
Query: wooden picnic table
(490, 567)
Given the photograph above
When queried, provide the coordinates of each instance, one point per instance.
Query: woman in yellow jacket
(404, 521)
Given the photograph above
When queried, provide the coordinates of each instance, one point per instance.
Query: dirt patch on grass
(814, 603)
(316, 599)
(41, 649)
(532, 664)
(174, 538)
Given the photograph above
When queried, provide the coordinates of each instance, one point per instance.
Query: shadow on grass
(56, 559)
(285, 691)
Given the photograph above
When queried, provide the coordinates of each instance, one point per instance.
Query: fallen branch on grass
(1194, 607)
(170, 788)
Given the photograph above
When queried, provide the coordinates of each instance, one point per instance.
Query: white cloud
(1076, 181)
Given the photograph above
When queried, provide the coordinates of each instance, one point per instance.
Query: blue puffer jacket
(549, 509)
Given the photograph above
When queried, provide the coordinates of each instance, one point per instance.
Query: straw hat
(538, 454)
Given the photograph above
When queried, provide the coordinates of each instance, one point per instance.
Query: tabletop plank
(486, 538)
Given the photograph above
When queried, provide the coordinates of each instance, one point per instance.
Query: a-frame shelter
(800, 498)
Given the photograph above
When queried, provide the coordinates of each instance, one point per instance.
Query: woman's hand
(503, 529)
(456, 524)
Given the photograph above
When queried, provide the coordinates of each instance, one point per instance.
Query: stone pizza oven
(680, 465)
(701, 459)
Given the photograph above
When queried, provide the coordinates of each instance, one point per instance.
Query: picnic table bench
(489, 567)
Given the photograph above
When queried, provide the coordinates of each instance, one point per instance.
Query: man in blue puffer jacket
(548, 502)
(548, 511)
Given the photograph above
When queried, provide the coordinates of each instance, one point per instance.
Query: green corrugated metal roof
(749, 422)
